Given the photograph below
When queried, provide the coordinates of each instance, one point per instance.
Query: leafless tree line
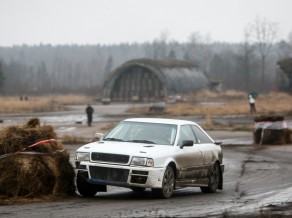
(44, 69)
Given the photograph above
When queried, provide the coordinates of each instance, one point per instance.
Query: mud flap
(101, 188)
(220, 185)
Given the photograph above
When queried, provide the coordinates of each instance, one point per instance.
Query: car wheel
(138, 189)
(167, 184)
(85, 188)
(214, 180)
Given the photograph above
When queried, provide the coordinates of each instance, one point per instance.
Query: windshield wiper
(113, 139)
(143, 141)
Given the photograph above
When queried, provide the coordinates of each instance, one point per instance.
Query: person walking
(251, 100)
(89, 111)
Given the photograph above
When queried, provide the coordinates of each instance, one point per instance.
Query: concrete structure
(148, 80)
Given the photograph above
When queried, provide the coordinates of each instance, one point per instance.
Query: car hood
(127, 148)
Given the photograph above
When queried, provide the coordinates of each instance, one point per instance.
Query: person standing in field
(251, 100)
(89, 111)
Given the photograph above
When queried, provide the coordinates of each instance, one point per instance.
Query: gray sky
(116, 21)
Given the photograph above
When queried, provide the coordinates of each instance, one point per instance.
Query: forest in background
(82, 69)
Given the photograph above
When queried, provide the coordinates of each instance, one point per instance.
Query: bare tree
(264, 33)
(247, 56)
(207, 53)
(173, 47)
(198, 50)
(290, 40)
(2, 78)
(192, 48)
(108, 66)
(160, 45)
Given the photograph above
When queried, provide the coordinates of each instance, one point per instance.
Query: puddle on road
(237, 141)
(70, 119)
(66, 129)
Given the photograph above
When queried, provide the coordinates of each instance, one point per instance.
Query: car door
(189, 159)
(205, 145)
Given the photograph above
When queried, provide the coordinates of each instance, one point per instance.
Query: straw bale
(272, 136)
(41, 170)
(264, 118)
(34, 175)
(15, 138)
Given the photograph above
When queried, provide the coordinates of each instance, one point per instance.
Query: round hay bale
(34, 175)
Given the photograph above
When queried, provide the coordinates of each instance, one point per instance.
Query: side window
(201, 136)
(186, 133)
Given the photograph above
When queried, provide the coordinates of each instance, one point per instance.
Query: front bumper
(123, 176)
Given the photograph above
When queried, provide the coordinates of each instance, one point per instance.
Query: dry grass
(215, 96)
(40, 103)
(109, 126)
(187, 109)
(229, 103)
(73, 139)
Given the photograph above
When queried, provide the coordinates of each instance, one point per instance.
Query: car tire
(214, 180)
(138, 189)
(85, 188)
(167, 184)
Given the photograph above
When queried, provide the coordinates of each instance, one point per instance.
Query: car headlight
(142, 161)
(82, 156)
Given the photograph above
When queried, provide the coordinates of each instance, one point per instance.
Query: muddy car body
(161, 154)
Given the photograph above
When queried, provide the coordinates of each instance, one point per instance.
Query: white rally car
(161, 154)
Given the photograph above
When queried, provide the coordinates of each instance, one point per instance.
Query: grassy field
(47, 103)
(227, 103)
(270, 104)
(201, 103)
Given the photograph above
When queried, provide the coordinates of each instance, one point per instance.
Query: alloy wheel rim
(168, 182)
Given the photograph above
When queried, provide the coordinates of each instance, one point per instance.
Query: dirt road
(257, 180)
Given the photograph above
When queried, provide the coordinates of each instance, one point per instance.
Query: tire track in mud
(252, 152)
(242, 171)
(263, 181)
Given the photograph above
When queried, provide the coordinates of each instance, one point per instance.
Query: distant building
(147, 80)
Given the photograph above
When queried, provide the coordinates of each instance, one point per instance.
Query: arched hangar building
(148, 80)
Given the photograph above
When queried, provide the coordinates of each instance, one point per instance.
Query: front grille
(109, 174)
(113, 158)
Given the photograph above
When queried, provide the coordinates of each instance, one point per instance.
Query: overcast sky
(117, 21)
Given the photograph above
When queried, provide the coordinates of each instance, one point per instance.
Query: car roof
(161, 120)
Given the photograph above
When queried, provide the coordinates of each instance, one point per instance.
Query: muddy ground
(257, 179)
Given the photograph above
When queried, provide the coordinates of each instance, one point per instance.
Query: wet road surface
(257, 179)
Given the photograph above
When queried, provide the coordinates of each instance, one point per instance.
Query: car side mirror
(186, 143)
(217, 143)
(98, 136)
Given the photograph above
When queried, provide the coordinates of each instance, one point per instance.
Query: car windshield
(141, 132)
